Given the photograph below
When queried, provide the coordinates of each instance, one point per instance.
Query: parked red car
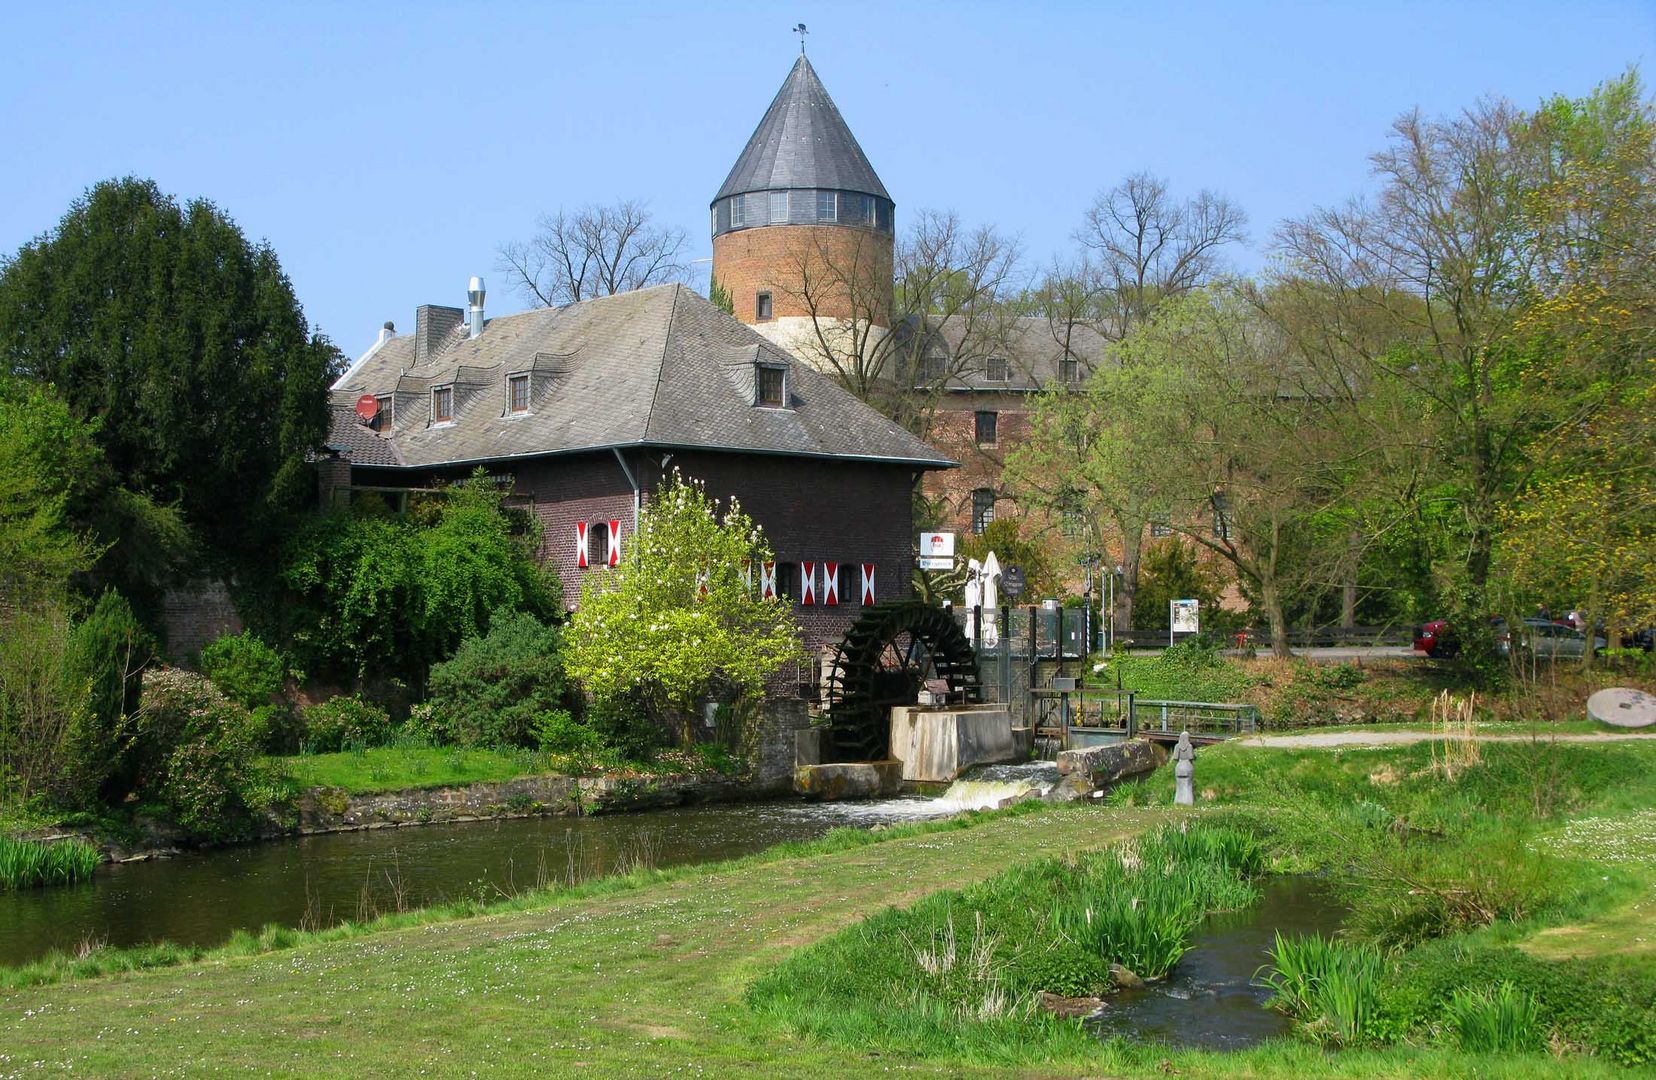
(1436, 639)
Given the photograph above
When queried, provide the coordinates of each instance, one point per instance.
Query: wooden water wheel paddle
(889, 653)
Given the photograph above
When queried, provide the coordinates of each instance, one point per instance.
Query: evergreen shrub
(343, 723)
(248, 671)
(496, 685)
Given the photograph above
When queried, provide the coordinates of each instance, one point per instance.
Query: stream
(202, 897)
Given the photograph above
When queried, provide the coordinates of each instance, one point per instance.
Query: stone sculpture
(1184, 771)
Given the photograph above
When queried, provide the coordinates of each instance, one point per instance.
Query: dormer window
(382, 413)
(442, 404)
(995, 369)
(770, 386)
(1069, 370)
(517, 394)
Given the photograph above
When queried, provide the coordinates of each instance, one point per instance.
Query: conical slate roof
(802, 143)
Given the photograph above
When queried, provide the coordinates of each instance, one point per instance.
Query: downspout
(616, 450)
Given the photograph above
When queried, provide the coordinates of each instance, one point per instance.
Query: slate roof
(656, 367)
(1034, 349)
(802, 142)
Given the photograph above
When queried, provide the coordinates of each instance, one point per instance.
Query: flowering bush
(681, 616)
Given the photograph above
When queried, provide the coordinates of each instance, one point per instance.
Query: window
(382, 415)
(983, 509)
(442, 404)
(778, 207)
(738, 215)
(995, 369)
(1069, 370)
(715, 219)
(763, 308)
(771, 389)
(986, 428)
(787, 580)
(827, 206)
(933, 368)
(1221, 515)
(597, 545)
(517, 393)
(1160, 530)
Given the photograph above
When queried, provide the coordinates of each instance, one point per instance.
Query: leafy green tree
(720, 296)
(1004, 536)
(371, 595)
(185, 340)
(1171, 571)
(646, 633)
(45, 454)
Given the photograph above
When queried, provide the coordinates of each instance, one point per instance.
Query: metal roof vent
(474, 296)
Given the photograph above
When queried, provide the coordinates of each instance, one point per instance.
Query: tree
(187, 344)
(898, 348)
(593, 251)
(680, 619)
(369, 595)
(1493, 241)
(1140, 247)
(45, 455)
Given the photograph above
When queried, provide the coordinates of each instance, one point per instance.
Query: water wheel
(887, 656)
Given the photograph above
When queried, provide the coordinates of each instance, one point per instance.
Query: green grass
(1332, 988)
(28, 864)
(395, 768)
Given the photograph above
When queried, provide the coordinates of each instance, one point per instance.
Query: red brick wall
(954, 432)
(771, 258)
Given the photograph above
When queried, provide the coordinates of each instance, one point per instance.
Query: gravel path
(1330, 739)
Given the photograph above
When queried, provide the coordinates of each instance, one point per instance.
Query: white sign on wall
(937, 545)
(1183, 617)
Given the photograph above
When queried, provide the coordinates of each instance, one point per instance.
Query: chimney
(474, 297)
(433, 325)
(387, 332)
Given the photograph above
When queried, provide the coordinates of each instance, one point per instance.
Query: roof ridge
(661, 361)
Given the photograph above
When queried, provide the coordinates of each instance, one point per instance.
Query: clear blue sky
(387, 149)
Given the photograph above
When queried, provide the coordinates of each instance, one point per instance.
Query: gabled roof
(656, 367)
(802, 142)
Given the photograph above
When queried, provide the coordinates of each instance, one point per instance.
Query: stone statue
(1184, 771)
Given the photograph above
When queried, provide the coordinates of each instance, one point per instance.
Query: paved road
(1331, 739)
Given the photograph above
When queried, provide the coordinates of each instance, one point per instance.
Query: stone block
(1106, 764)
(808, 746)
(849, 780)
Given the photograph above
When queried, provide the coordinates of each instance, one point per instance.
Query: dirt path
(1327, 740)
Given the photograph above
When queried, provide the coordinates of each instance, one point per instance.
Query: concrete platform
(936, 745)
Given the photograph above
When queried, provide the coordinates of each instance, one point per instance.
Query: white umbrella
(991, 599)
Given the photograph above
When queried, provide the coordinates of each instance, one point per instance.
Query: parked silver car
(1543, 637)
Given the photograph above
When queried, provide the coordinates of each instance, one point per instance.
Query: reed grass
(1499, 1019)
(28, 864)
(1332, 988)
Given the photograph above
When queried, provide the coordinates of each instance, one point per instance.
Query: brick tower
(802, 226)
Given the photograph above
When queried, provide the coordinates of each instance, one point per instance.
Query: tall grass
(965, 968)
(26, 864)
(1331, 987)
(1500, 1019)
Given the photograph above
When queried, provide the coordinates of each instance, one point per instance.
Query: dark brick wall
(847, 512)
(194, 615)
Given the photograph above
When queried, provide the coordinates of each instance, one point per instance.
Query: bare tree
(898, 348)
(1146, 246)
(1140, 247)
(593, 251)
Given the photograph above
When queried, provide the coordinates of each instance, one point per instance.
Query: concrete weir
(936, 745)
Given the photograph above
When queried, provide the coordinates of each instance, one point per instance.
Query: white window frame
(771, 217)
(738, 212)
(448, 389)
(832, 198)
(387, 411)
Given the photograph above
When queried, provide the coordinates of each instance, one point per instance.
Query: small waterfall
(1047, 747)
(993, 786)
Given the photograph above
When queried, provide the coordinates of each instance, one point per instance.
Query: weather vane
(801, 31)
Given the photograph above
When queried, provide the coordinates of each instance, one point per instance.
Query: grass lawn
(395, 768)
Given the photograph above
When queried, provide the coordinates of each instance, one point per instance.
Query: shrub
(248, 671)
(194, 750)
(493, 689)
(344, 722)
(625, 725)
(107, 653)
